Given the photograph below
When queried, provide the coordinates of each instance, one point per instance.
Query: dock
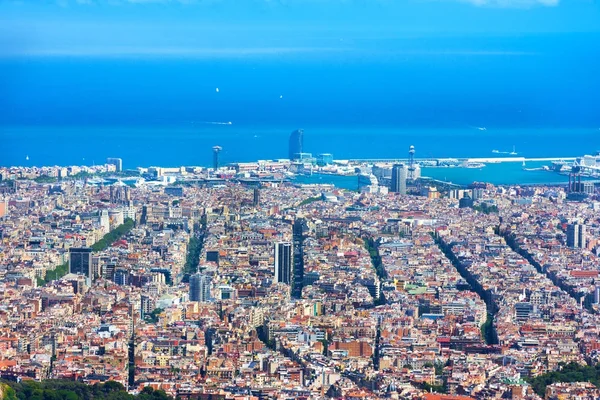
(459, 159)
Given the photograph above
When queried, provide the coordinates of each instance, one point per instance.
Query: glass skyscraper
(399, 175)
(80, 261)
(200, 287)
(283, 262)
(298, 230)
(296, 143)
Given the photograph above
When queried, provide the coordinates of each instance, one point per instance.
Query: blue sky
(233, 27)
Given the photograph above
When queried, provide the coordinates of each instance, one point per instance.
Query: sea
(536, 96)
(192, 146)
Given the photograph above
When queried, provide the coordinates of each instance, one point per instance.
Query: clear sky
(226, 27)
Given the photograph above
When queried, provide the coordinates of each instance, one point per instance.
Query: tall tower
(399, 174)
(80, 261)
(576, 236)
(256, 197)
(411, 164)
(283, 262)
(298, 230)
(199, 287)
(216, 151)
(296, 143)
(117, 162)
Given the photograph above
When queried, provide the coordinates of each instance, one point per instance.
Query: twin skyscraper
(289, 259)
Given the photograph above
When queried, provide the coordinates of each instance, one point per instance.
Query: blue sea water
(192, 144)
(538, 94)
(498, 174)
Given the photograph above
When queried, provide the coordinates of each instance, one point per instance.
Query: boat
(536, 169)
(513, 153)
(473, 165)
(495, 151)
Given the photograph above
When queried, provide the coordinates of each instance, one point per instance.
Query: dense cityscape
(235, 282)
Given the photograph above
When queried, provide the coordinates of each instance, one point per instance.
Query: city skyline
(299, 199)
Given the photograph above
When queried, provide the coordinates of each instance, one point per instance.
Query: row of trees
(571, 372)
(70, 390)
(193, 256)
(102, 244)
(486, 208)
(114, 235)
(488, 329)
(371, 247)
(512, 243)
(54, 274)
(309, 200)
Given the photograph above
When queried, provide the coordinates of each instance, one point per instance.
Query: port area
(459, 160)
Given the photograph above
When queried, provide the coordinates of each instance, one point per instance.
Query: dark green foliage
(486, 208)
(193, 256)
(102, 244)
(512, 243)
(439, 368)
(153, 316)
(309, 200)
(263, 335)
(488, 329)
(9, 393)
(45, 179)
(375, 258)
(150, 394)
(571, 372)
(70, 390)
(113, 235)
(54, 274)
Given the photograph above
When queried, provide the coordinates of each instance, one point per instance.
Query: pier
(459, 159)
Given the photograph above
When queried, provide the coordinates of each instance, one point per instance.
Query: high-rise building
(256, 198)
(80, 261)
(216, 151)
(104, 221)
(477, 193)
(283, 262)
(117, 162)
(121, 277)
(146, 305)
(296, 143)
(399, 175)
(298, 230)
(3, 207)
(576, 236)
(523, 311)
(200, 287)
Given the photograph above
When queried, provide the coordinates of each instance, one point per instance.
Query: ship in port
(512, 153)
(587, 166)
(472, 164)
